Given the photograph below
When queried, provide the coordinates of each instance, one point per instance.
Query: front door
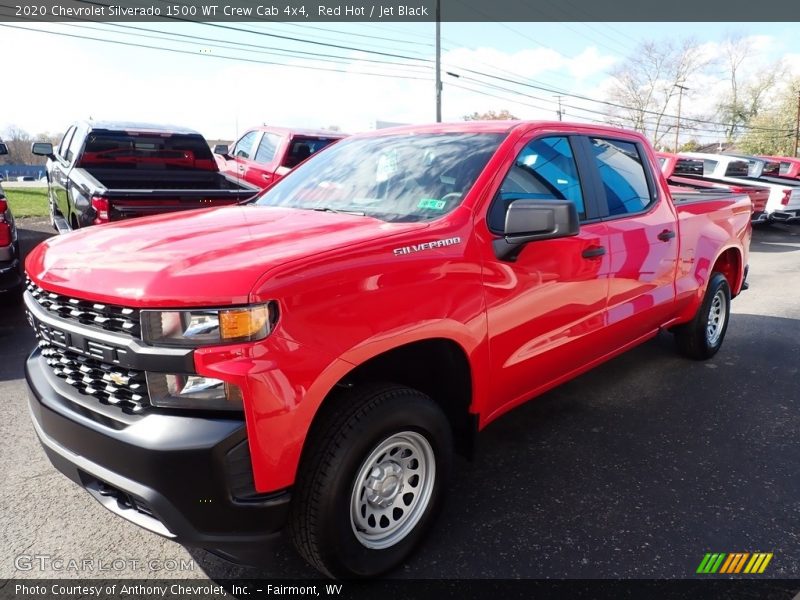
(546, 307)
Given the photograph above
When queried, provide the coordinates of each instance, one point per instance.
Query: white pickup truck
(783, 204)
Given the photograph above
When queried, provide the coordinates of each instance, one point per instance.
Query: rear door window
(623, 175)
(62, 147)
(267, 148)
(74, 147)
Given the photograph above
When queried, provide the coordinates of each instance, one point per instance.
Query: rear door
(643, 238)
(261, 171)
(546, 307)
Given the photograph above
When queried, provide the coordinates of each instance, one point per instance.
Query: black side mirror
(221, 149)
(42, 149)
(3, 149)
(532, 220)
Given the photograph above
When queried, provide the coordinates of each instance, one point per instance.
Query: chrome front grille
(110, 384)
(104, 316)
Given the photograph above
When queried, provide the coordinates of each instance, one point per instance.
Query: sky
(199, 87)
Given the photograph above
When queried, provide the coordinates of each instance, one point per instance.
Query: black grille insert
(103, 316)
(110, 384)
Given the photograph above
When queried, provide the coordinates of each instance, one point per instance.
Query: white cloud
(220, 97)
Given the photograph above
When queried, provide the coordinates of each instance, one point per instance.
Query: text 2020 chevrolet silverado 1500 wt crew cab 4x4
(104, 171)
(11, 277)
(313, 357)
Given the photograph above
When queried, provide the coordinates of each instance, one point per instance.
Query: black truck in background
(109, 171)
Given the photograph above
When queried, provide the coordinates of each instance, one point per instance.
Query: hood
(201, 258)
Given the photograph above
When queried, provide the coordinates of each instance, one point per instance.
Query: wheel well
(729, 264)
(438, 368)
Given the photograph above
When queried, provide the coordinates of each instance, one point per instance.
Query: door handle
(594, 252)
(666, 235)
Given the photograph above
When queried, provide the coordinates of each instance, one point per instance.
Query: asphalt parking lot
(634, 470)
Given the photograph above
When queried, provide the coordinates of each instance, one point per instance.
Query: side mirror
(532, 220)
(221, 149)
(42, 149)
(3, 149)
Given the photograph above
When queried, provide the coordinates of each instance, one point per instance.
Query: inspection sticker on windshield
(432, 203)
(427, 246)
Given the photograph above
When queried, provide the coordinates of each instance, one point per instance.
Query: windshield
(401, 177)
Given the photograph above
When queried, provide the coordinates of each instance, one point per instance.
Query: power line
(244, 47)
(220, 56)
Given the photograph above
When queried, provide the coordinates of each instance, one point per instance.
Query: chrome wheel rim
(716, 318)
(392, 490)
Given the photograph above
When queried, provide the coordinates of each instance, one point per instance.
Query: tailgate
(125, 204)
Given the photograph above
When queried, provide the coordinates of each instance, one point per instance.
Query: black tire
(693, 339)
(355, 424)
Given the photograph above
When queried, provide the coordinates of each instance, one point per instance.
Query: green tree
(772, 131)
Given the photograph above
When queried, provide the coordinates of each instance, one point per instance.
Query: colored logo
(738, 562)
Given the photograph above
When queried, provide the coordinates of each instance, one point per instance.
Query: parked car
(686, 175)
(263, 155)
(784, 197)
(312, 359)
(11, 277)
(110, 171)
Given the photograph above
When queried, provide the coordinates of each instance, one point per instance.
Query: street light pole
(438, 62)
(681, 88)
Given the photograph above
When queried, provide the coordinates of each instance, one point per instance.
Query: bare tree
(647, 84)
(746, 96)
(19, 145)
(491, 115)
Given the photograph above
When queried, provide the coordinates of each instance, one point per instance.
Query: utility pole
(438, 61)
(797, 126)
(560, 113)
(681, 88)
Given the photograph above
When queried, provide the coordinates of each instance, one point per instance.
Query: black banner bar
(522, 589)
(394, 11)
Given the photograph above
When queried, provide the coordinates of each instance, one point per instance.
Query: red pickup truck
(685, 174)
(313, 358)
(264, 155)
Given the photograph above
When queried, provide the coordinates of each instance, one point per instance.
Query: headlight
(207, 327)
(192, 391)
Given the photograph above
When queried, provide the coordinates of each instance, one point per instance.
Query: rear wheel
(702, 337)
(372, 480)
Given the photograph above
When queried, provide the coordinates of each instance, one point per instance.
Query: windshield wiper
(341, 212)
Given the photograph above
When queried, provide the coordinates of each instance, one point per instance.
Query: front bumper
(187, 478)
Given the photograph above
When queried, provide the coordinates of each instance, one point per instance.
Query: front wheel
(702, 337)
(372, 480)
